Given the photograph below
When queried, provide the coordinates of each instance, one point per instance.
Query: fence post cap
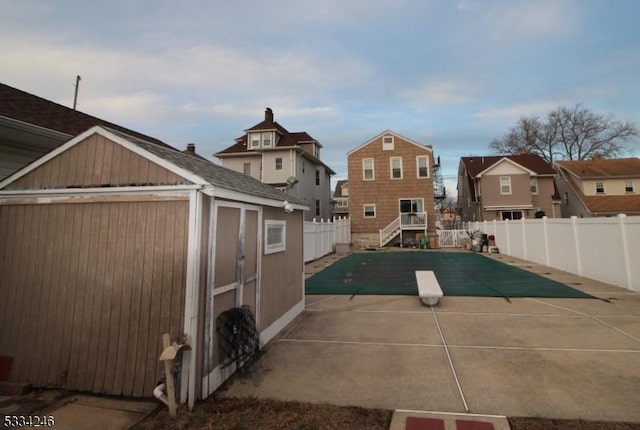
(622, 215)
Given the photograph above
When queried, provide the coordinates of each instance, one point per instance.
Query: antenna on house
(75, 96)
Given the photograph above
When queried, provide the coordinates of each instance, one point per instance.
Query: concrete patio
(555, 358)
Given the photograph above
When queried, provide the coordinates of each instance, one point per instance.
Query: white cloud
(511, 113)
(442, 92)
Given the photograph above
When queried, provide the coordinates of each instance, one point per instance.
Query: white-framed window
(254, 140)
(276, 234)
(422, 166)
(368, 169)
(246, 169)
(599, 187)
(505, 185)
(369, 210)
(396, 167)
(628, 187)
(279, 163)
(266, 139)
(387, 143)
(534, 185)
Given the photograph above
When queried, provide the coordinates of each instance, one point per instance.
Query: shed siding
(96, 162)
(88, 289)
(282, 289)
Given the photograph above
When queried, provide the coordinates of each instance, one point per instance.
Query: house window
(255, 140)
(505, 185)
(534, 185)
(276, 232)
(512, 215)
(423, 166)
(266, 139)
(317, 207)
(368, 173)
(387, 143)
(396, 167)
(599, 187)
(279, 163)
(369, 211)
(317, 177)
(628, 187)
(246, 169)
(566, 198)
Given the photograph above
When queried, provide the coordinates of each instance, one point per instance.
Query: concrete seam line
(512, 315)
(411, 411)
(453, 370)
(524, 348)
(354, 342)
(320, 301)
(616, 328)
(559, 307)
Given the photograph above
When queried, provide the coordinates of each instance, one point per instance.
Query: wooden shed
(109, 241)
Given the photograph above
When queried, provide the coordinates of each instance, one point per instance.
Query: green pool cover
(459, 274)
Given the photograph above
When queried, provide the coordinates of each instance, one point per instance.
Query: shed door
(233, 278)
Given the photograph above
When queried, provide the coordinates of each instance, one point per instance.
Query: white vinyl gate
(452, 238)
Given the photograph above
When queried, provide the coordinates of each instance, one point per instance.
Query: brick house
(599, 187)
(289, 161)
(506, 187)
(391, 194)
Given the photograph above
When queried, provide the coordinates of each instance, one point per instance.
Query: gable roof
(198, 170)
(386, 132)
(286, 139)
(28, 108)
(477, 165)
(338, 190)
(603, 168)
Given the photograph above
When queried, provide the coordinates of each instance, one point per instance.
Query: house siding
(110, 281)
(237, 164)
(383, 191)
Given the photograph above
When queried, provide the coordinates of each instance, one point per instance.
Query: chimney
(191, 149)
(268, 115)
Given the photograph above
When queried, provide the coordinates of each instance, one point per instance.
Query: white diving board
(428, 287)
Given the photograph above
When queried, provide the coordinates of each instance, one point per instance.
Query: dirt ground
(240, 414)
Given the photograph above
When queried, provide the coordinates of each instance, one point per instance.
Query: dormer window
(254, 140)
(261, 140)
(266, 139)
(387, 143)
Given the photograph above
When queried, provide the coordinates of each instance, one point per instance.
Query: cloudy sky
(453, 74)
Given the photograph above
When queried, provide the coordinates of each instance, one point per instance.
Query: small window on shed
(387, 143)
(276, 233)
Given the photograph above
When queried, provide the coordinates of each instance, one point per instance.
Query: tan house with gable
(599, 187)
(506, 187)
(391, 194)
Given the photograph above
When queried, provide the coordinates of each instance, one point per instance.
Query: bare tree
(567, 133)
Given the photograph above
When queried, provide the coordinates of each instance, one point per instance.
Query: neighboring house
(341, 199)
(506, 187)
(391, 193)
(111, 240)
(449, 217)
(31, 126)
(599, 187)
(287, 161)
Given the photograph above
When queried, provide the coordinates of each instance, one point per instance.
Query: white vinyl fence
(452, 238)
(606, 249)
(320, 237)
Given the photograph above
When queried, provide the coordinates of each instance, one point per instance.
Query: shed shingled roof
(214, 174)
